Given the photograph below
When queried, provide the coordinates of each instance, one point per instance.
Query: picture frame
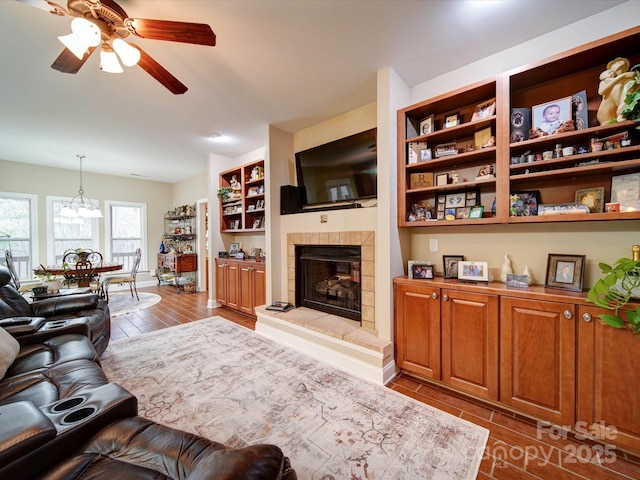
(455, 200)
(452, 120)
(550, 115)
(420, 270)
(473, 271)
(252, 192)
(257, 223)
(260, 205)
(484, 110)
(450, 265)
(426, 125)
(593, 198)
(565, 271)
(442, 179)
(234, 248)
(625, 190)
(482, 138)
(524, 204)
(233, 224)
(476, 212)
(462, 212)
(251, 207)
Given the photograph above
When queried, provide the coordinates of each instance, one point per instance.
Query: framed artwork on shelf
(426, 125)
(625, 190)
(484, 110)
(549, 116)
(234, 248)
(565, 271)
(455, 200)
(420, 270)
(476, 212)
(452, 120)
(473, 271)
(524, 204)
(442, 179)
(260, 205)
(593, 198)
(450, 265)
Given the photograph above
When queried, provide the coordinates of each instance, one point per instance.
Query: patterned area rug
(225, 382)
(121, 303)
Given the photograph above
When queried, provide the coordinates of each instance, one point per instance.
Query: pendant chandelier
(80, 206)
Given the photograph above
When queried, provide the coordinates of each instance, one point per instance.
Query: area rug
(121, 303)
(230, 384)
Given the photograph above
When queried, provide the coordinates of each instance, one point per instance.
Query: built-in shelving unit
(518, 166)
(244, 209)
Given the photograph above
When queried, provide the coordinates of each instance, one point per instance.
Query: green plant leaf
(634, 317)
(612, 320)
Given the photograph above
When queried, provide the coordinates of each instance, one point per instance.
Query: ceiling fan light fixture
(109, 60)
(84, 34)
(129, 55)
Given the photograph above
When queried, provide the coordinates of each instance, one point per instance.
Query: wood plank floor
(516, 448)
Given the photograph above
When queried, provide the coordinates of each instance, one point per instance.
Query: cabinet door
(259, 286)
(537, 349)
(417, 329)
(222, 286)
(233, 295)
(608, 381)
(245, 288)
(470, 342)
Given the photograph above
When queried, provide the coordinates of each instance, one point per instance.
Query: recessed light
(215, 137)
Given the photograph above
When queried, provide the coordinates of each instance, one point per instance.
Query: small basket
(189, 288)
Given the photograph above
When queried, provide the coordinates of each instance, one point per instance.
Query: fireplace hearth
(328, 279)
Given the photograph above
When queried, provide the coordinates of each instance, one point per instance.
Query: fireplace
(328, 279)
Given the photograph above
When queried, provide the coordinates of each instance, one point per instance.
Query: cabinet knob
(445, 297)
(568, 314)
(434, 295)
(586, 317)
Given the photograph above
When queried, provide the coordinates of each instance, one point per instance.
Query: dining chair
(15, 278)
(122, 279)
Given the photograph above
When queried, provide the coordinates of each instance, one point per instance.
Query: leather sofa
(60, 418)
(60, 313)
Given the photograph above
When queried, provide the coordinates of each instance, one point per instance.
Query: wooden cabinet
(244, 210)
(538, 356)
(572, 77)
(557, 361)
(470, 342)
(227, 293)
(240, 284)
(608, 381)
(448, 335)
(417, 329)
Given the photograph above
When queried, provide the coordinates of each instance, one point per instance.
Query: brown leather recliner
(58, 312)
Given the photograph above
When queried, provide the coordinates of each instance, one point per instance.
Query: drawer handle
(445, 297)
(586, 317)
(434, 295)
(568, 315)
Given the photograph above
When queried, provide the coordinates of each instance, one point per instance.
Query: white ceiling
(288, 63)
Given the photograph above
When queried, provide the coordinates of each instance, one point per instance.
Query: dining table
(82, 274)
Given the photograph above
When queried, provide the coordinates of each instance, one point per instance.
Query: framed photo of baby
(549, 116)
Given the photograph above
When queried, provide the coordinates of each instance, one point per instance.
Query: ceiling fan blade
(47, 6)
(160, 73)
(67, 62)
(198, 33)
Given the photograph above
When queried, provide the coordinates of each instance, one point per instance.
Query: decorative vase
(506, 268)
(53, 285)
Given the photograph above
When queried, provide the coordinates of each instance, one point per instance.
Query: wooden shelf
(246, 176)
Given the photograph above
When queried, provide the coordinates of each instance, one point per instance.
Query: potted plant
(620, 284)
(52, 281)
(223, 193)
(631, 109)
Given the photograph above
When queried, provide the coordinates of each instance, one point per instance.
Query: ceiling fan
(104, 23)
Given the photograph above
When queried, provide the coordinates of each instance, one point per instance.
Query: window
(18, 233)
(126, 225)
(64, 233)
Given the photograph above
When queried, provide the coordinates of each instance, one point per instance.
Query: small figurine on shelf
(235, 188)
(162, 247)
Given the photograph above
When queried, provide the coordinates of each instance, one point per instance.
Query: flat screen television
(345, 170)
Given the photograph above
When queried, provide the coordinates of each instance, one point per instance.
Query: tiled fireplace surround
(339, 341)
(364, 240)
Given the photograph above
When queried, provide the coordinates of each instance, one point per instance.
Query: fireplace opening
(328, 279)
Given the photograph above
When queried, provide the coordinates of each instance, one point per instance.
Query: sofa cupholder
(68, 404)
(57, 324)
(77, 415)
